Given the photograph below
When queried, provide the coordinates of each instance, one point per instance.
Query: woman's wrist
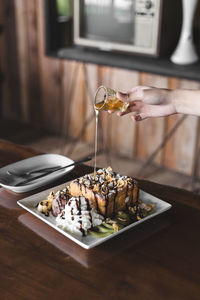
(186, 101)
(173, 98)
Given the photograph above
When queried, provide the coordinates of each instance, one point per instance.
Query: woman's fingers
(126, 97)
(136, 93)
(133, 107)
(140, 117)
(148, 95)
(146, 102)
(111, 111)
(122, 96)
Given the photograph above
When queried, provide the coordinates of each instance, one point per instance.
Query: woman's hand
(148, 102)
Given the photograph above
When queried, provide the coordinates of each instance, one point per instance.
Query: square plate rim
(98, 240)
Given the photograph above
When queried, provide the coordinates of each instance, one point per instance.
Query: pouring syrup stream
(95, 148)
(109, 102)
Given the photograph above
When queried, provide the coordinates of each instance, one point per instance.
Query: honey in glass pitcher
(106, 99)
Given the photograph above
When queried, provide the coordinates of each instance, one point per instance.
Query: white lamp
(185, 52)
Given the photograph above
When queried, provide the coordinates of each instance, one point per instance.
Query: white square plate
(88, 241)
(36, 162)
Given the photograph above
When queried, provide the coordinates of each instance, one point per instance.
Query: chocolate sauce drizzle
(114, 202)
(78, 206)
(61, 199)
(81, 228)
(127, 195)
(99, 179)
(96, 202)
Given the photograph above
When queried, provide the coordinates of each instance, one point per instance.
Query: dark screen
(110, 20)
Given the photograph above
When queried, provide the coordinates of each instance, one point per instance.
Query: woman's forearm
(149, 102)
(186, 101)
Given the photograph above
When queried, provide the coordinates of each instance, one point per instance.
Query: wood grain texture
(77, 101)
(180, 149)
(123, 129)
(27, 33)
(105, 121)
(157, 260)
(2, 59)
(7, 149)
(52, 94)
(66, 91)
(35, 110)
(50, 79)
(23, 54)
(196, 158)
(1, 13)
(151, 131)
(12, 99)
(91, 81)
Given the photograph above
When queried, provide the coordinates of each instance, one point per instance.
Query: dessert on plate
(59, 200)
(108, 191)
(100, 203)
(78, 216)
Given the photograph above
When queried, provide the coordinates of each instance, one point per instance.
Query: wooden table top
(158, 259)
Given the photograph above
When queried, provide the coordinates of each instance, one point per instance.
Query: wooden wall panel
(105, 121)
(169, 158)
(1, 13)
(91, 81)
(23, 55)
(35, 111)
(196, 158)
(50, 80)
(2, 57)
(180, 149)
(27, 33)
(1, 35)
(66, 92)
(77, 105)
(12, 98)
(1, 21)
(151, 131)
(123, 136)
(51, 93)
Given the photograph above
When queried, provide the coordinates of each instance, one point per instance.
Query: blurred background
(55, 53)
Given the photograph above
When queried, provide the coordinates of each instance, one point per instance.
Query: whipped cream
(78, 216)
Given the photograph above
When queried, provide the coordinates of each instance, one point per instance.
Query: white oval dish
(37, 162)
